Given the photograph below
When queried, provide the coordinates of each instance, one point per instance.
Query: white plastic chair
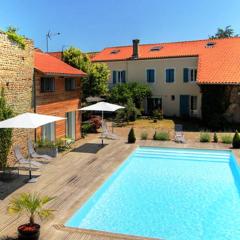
(179, 136)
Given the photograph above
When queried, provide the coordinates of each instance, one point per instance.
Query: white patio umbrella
(27, 121)
(102, 107)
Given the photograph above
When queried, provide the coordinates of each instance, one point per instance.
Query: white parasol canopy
(103, 107)
(29, 120)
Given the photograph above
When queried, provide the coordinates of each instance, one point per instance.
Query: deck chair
(21, 161)
(33, 153)
(179, 136)
(106, 133)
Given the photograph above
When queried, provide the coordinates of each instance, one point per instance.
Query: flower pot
(29, 232)
(50, 151)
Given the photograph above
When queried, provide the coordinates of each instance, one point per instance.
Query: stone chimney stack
(135, 48)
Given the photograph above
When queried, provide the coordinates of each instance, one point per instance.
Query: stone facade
(16, 77)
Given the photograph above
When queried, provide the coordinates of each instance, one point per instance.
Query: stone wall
(16, 77)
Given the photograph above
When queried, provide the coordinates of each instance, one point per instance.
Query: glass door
(71, 125)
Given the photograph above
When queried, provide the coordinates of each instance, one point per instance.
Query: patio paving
(73, 177)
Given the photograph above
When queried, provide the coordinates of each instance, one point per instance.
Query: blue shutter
(148, 75)
(185, 74)
(123, 76)
(171, 75)
(114, 76)
(167, 75)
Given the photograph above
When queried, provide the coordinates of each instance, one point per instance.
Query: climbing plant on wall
(5, 133)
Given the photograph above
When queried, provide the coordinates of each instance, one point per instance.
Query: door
(184, 105)
(70, 125)
(48, 132)
(154, 104)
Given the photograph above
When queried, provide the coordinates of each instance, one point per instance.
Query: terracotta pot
(29, 232)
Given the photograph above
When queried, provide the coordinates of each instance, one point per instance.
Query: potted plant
(31, 204)
(46, 147)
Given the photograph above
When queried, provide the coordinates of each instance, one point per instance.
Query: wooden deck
(72, 178)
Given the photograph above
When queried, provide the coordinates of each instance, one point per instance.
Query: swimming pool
(168, 193)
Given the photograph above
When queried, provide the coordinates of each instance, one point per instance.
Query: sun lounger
(33, 153)
(179, 136)
(23, 162)
(106, 133)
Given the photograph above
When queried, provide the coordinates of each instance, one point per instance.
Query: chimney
(135, 48)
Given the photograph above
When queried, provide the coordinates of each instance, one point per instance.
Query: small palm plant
(31, 204)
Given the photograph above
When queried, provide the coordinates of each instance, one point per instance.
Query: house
(57, 91)
(178, 73)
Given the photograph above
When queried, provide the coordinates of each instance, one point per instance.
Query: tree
(5, 133)
(96, 83)
(236, 140)
(228, 32)
(121, 93)
(131, 136)
(74, 57)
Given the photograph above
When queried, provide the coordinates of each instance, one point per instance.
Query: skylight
(155, 48)
(210, 44)
(115, 51)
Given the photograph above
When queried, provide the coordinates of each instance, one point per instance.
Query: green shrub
(157, 114)
(86, 128)
(15, 37)
(205, 137)
(227, 138)
(45, 143)
(215, 137)
(131, 136)
(236, 140)
(161, 136)
(5, 133)
(144, 135)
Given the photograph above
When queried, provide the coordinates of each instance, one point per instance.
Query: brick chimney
(135, 48)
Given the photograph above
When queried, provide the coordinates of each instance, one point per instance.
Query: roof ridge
(184, 41)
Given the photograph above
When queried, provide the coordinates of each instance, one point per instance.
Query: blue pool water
(174, 194)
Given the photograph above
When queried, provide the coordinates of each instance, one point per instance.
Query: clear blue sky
(94, 24)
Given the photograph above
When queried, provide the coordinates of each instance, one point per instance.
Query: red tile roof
(56, 54)
(219, 64)
(50, 65)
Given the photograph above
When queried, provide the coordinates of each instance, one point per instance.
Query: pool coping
(102, 233)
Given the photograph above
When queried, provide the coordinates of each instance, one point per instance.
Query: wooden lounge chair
(33, 153)
(179, 136)
(23, 162)
(106, 133)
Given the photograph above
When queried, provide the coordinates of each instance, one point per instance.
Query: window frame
(70, 89)
(42, 90)
(194, 69)
(119, 71)
(52, 135)
(146, 75)
(165, 75)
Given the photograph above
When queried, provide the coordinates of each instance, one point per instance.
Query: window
(70, 84)
(115, 51)
(210, 44)
(189, 74)
(47, 84)
(193, 103)
(150, 75)
(119, 77)
(70, 124)
(156, 48)
(173, 97)
(48, 132)
(170, 78)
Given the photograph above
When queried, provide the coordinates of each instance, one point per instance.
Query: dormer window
(210, 44)
(155, 48)
(115, 51)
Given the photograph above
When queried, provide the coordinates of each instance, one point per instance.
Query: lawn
(146, 123)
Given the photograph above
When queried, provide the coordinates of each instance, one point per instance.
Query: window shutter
(114, 77)
(167, 75)
(172, 75)
(123, 76)
(185, 75)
